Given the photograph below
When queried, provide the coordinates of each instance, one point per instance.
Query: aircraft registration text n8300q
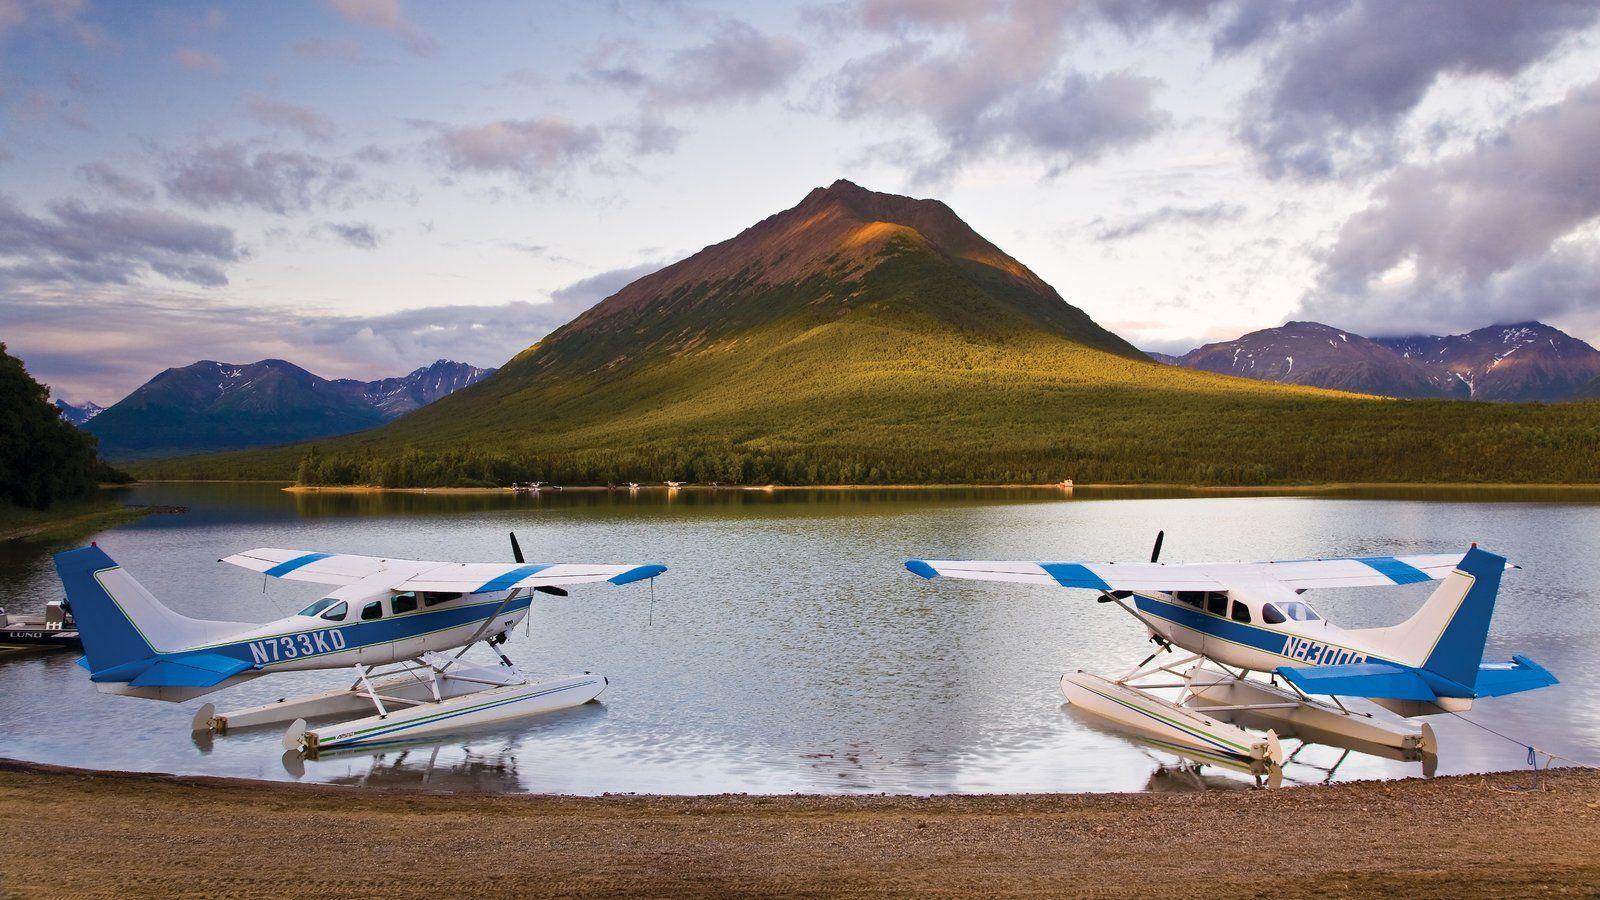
(1320, 654)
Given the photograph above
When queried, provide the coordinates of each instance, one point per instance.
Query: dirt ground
(71, 832)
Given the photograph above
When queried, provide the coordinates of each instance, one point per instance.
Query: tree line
(43, 458)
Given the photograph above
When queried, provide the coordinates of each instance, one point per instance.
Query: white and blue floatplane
(388, 622)
(1236, 619)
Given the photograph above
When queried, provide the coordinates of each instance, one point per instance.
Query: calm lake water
(788, 650)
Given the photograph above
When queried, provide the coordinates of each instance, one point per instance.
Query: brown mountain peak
(811, 261)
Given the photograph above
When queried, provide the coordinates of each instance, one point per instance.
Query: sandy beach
(75, 832)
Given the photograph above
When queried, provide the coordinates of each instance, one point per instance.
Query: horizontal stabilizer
(190, 670)
(1521, 674)
(1375, 680)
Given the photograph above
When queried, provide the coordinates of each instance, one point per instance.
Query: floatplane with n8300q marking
(1245, 618)
(389, 622)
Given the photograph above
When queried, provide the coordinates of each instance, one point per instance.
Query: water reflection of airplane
(1245, 618)
(492, 772)
(385, 617)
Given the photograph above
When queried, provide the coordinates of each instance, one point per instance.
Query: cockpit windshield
(318, 606)
(1297, 610)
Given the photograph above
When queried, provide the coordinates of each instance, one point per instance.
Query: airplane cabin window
(433, 598)
(336, 612)
(373, 610)
(1241, 613)
(1217, 603)
(403, 603)
(318, 606)
(1193, 598)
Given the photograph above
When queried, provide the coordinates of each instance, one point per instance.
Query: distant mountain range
(80, 413)
(212, 406)
(868, 338)
(1522, 361)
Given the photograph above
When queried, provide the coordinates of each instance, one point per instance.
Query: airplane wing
(473, 578)
(318, 568)
(1361, 571)
(419, 575)
(1097, 576)
(1353, 571)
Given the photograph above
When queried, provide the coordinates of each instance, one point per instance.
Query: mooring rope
(1533, 756)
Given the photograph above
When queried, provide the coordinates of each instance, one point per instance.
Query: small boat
(53, 630)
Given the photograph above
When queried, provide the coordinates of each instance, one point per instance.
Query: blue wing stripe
(637, 573)
(1394, 569)
(1074, 575)
(284, 568)
(505, 581)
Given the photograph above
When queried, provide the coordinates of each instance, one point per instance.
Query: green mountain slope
(863, 337)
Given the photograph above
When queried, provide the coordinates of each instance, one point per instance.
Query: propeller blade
(516, 549)
(1155, 552)
(547, 589)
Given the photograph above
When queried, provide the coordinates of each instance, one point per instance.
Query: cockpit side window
(1193, 598)
(434, 598)
(318, 606)
(373, 610)
(1241, 613)
(403, 603)
(1272, 615)
(336, 612)
(1217, 603)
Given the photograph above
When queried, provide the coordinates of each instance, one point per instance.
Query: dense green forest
(44, 460)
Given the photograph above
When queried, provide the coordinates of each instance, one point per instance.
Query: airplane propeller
(1155, 556)
(516, 554)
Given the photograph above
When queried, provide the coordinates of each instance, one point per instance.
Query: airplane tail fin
(1437, 654)
(1446, 636)
(122, 625)
(109, 606)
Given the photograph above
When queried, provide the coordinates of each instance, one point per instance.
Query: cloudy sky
(363, 186)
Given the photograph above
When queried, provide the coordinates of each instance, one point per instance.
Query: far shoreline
(1269, 489)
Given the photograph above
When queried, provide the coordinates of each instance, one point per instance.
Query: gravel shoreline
(85, 833)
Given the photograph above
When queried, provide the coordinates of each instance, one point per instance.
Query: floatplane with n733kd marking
(1246, 618)
(389, 622)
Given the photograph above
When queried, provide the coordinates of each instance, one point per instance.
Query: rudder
(1445, 637)
(110, 636)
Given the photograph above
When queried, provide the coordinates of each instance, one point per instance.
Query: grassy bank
(92, 834)
(65, 520)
